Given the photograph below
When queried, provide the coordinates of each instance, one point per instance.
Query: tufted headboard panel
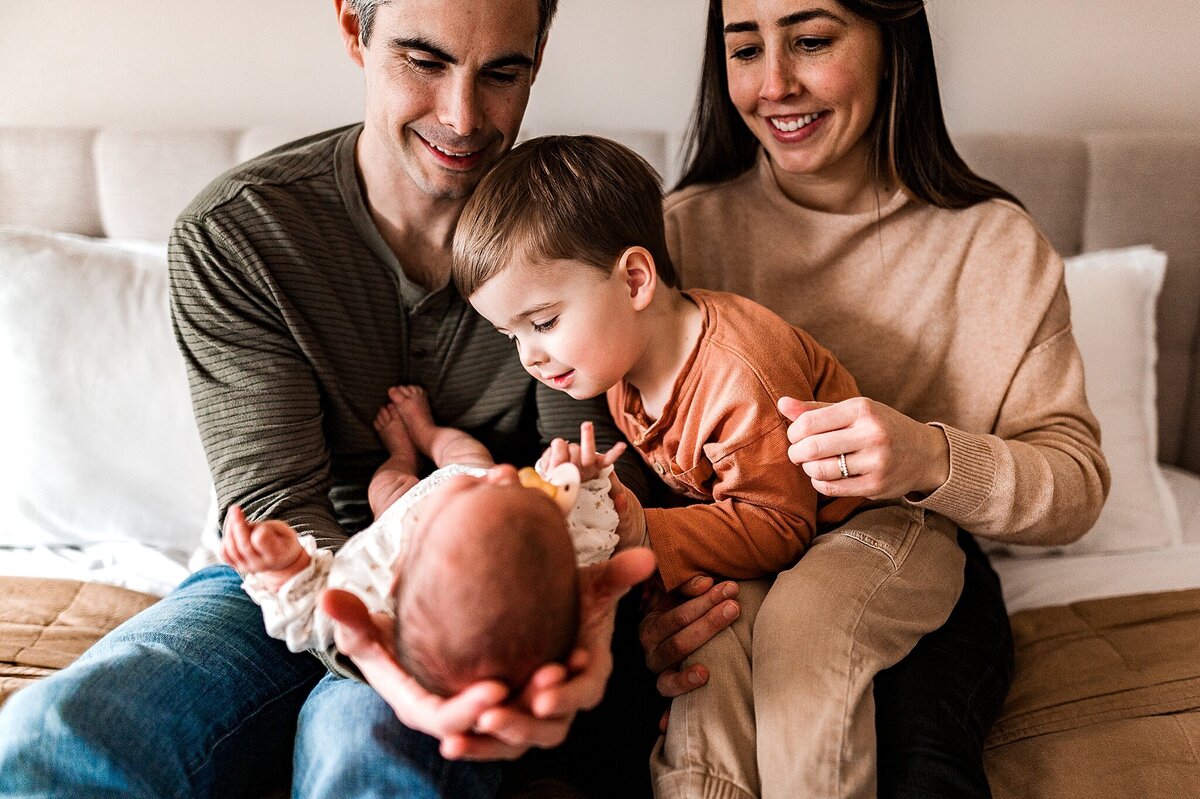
(1087, 192)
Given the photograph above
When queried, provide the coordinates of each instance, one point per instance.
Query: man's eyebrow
(514, 59)
(785, 22)
(423, 44)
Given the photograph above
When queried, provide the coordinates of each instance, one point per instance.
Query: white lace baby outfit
(365, 565)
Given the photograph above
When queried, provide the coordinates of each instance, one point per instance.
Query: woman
(822, 183)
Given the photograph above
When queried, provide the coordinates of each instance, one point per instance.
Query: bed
(108, 505)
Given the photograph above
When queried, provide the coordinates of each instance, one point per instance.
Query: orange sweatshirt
(954, 317)
(721, 440)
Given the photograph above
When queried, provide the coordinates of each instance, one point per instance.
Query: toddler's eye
(542, 327)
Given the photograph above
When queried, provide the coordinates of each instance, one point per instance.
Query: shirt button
(658, 467)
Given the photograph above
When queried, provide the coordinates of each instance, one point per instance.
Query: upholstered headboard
(1087, 192)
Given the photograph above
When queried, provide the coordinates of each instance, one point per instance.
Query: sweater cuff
(972, 476)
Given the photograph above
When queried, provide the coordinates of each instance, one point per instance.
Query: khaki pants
(788, 711)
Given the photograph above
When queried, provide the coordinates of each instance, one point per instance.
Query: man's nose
(460, 106)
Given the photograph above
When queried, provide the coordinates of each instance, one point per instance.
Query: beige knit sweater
(957, 318)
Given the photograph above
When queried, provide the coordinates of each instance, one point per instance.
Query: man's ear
(348, 23)
(640, 276)
(537, 58)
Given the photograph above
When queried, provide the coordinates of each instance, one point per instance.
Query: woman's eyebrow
(785, 22)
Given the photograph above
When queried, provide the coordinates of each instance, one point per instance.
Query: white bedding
(1028, 582)
(1058, 580)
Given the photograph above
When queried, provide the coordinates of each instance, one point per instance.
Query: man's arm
(255, 395)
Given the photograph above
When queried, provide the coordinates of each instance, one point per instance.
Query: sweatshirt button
(658, 467)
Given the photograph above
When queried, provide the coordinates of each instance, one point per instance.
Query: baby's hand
(268, 549)
(583, 454)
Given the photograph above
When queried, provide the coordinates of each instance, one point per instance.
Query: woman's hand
(887, 454)
(679, 623)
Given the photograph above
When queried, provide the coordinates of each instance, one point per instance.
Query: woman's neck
(672, 329)
(844, 187)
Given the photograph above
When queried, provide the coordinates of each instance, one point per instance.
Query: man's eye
(423, 65)
(502, 78)
(542, 327)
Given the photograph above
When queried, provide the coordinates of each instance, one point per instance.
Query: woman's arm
(1038, 477)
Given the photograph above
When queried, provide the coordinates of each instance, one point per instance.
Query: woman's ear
(348, 23)
(636, 269)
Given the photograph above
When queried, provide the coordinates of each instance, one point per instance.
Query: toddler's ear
(566, 478)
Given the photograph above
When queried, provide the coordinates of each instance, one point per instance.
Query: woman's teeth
(796, 123)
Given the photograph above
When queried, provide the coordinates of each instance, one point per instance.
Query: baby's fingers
(611, 457)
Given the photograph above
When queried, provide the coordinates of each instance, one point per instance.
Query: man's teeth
(795, 124)
(452, 154)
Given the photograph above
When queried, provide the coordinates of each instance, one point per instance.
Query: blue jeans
(192, 698)
(934, 708)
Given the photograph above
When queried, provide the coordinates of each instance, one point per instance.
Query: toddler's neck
(672, 330)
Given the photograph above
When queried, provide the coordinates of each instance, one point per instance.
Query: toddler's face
(568, 320)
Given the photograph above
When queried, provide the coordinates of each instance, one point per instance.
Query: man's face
(447, 82)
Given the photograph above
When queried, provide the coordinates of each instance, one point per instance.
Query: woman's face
(804, 75)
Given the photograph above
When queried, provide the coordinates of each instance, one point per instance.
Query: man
(303, 284)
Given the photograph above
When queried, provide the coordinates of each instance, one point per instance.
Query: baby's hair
(518, 610)
(580, 198)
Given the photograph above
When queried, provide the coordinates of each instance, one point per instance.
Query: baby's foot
(393, 432)
(413, 405)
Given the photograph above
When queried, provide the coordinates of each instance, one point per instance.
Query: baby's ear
(566, 478)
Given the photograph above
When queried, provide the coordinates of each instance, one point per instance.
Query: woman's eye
(542, 327)
(811, 44)
(744, 53)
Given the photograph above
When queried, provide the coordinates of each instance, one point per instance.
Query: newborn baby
(478, 570)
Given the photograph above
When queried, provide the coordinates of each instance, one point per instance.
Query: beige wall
(1005, 64)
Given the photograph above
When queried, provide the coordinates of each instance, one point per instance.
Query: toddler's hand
(269, 549)
(583, 454)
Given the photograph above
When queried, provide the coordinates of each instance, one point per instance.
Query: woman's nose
(778, 80)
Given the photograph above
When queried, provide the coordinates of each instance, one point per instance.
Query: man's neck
(418, 228)
(673, 325)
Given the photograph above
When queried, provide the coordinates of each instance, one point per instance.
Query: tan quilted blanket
(1105, 702)
(46, 624)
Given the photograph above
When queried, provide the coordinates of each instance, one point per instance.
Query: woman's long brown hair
(910, 145)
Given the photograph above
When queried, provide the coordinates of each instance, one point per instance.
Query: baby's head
(489, 587)
(553, 222)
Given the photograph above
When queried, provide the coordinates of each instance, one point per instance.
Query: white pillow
(100, 443)
(1113, 297)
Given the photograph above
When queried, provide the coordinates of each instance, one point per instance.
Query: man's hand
(474, 725)
(367, 640)
(679, 623)
(542, 715)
